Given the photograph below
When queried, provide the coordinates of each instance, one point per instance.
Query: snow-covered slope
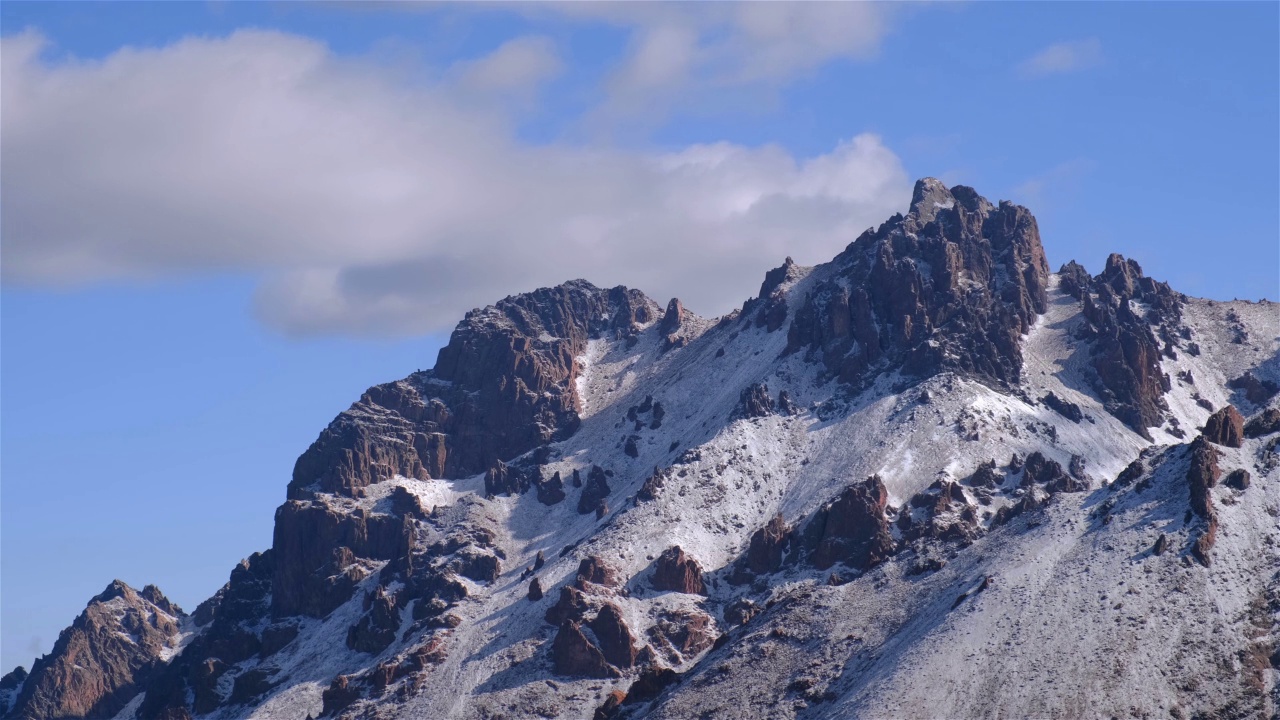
(1002, 562)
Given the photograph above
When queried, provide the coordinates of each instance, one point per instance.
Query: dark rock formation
(673, 318)
(249, 686)
(612, 704)
(595, 570)
(503, 479)
(535, 590)
(1238, 479)
(1265, 424)
(315, 549)
(1225, 427)
(1039, 470)
(502, 386)
(741, 611)
(614, 637)
(652, 486)
(682, 634)
(572, 605)
(675, 571)
(551, 492)
(1125, 352)
(376, 629)
(1202, 474)
(105, 658)
(1161, 545)
(853, 528)
(340, 695)
(650, 684)
(189, 682)
(787, 406)
(574, 655)
(594, 492)
(953, 285)
(764, 553)
(1258, 392)
(1066, 409)
(755, 401)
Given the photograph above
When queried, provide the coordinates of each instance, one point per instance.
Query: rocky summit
(930, 478)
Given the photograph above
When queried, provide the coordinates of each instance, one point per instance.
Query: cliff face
(502, 386)
(928, 458)
(950, 286)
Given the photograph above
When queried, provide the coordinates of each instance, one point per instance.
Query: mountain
(929, 478)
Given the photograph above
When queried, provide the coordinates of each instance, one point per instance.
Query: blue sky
(223, 221)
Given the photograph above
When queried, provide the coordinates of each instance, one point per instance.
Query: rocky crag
(928, 478)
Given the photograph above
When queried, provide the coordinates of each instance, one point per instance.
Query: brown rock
(677, 572)
(574, 655)
(740, 612)
(106, 657)
(1258, 392)
(535, 590)
(376, 629)
(313, 541)
(572, 605)
(551, 492)
(614, 637)
(1237, 479)
(764, 553)
(683, 633)
(1264, 424)
(1225, 427)
(1162, 544)
(611, 705)
(673, 318)
(340, 695)
(952, 285)
(1202, 474)
(650, 684)
(502, 386)
(755, 401)
(853, 529)
(595, 570)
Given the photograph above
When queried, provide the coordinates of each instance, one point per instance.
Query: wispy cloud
(1063, 57)
(368, 203)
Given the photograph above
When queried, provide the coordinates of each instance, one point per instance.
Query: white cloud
(371, 203)
(1063, 57)
(520, 65)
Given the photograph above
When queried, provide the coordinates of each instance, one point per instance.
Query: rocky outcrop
(673, 318)
(551, 491)
(106, 657)
(1125, 352)
(1257, 391)
(1066, 409)
(676, 571)
(502, 386)
(593, 569)
(1225, 428)
(503, 479)
(1266, 423)
(190, 682)
(767, 545)
(953, 285)
(853, 529)
(535, 590)
(574, 655)
(755, 402)
(1238, 479)
(680, 635)
(614, 637)
(316, 547)
(595, 492)
(1202, 474)
(376, 629)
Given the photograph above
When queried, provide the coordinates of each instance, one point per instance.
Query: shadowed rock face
(1125, 352)
(853, 529)
(501, 387)
(676, 571)
(105, 658)
(952, 285)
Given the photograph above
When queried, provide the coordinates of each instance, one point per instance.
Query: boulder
(853, 528)
(574, 655)
(1225, 428)
(594, 492)
(754, 401)
(614, 637)
(1266, 423)
(676, 571)
(764, 552)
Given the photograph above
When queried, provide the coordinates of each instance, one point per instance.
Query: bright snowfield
(1078, 619)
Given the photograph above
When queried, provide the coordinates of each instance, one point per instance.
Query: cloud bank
(373, 201)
